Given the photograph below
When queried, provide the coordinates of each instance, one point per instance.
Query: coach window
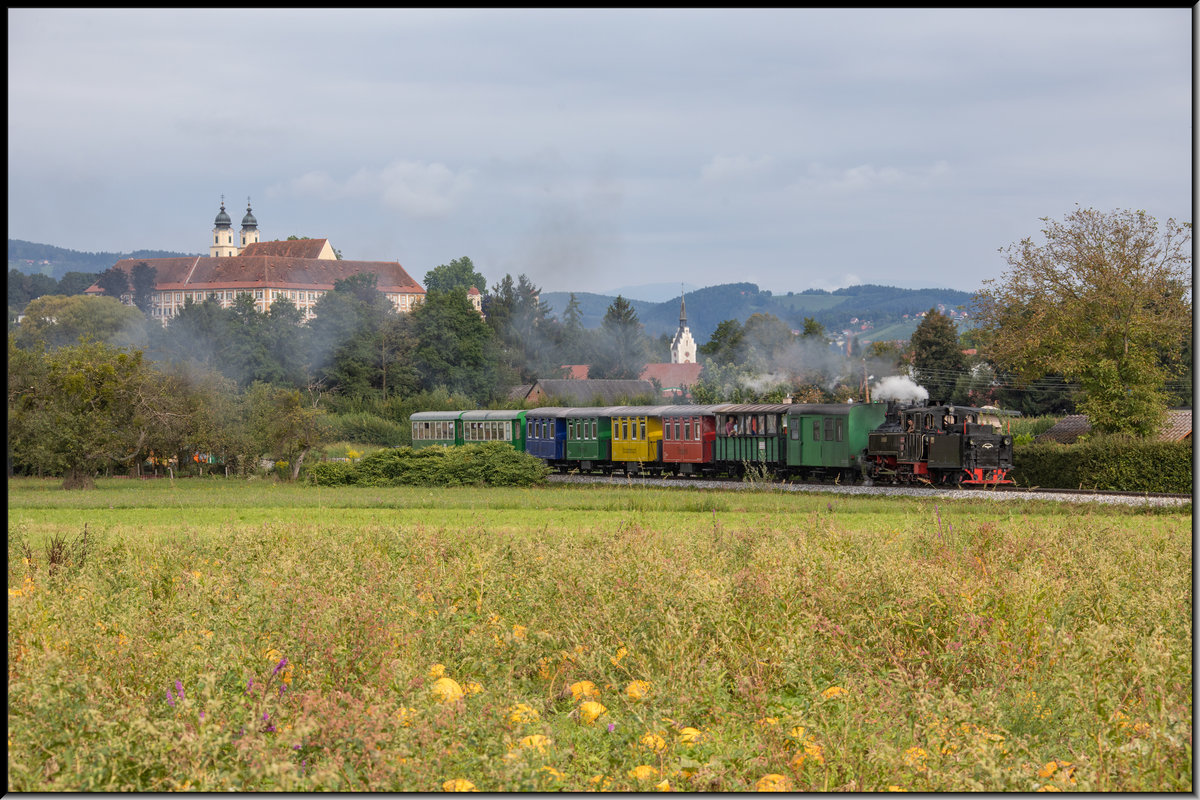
(642, 429)
(771, 425)
(840, 430)
(687, 429)
(829, 429)
(816, 430)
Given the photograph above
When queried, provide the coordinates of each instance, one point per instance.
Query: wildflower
(590, 710)
(472, 687)
(535, 742)
(767, 722)
(458, 785)
(170, 698)
(612, 726)
(832, 692)
(522, 713)
(600, 780)
(665, 786)
(1049, 787)
(583, 689)
(279, 667)
(447, 690)
(814, 750)
(688, 735)
(643, 772)
(179, 689)
(894, 788)
(1048, 769)
(915, 757)
(637, 690)
(654, 742)
(621, 653)
(437, 671)
(773, 782)
(249, 685)
(558, 776)
(518, 632)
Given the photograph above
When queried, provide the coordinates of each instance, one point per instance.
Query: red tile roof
(290, 248)
(672, 376)
(1176, 427)
(237, 272)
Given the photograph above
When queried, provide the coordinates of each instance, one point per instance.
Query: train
(878, 442)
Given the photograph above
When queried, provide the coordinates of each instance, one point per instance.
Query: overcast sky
(596, 149)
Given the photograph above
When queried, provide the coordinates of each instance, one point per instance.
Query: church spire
(682, 309)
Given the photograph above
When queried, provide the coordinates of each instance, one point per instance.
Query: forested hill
(46, 259)
(880, 306)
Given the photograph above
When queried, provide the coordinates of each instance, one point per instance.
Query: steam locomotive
(892, 442)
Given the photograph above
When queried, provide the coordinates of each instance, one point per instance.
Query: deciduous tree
(1105, 300)
(460, 273)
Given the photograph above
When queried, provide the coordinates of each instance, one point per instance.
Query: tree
(23, 287)
(936, 357)
(455, 349)
(1104, 301)
(727, 345)
(460, 273)
(76, 282)
(767, 337)
(574, 348)
(113, 282)
(283, 425)
(80, 408)
(621, 346)
(56, 321)
(530, 337)
(349, 353)
(143, 279)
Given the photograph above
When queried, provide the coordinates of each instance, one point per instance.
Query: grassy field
(214, 635)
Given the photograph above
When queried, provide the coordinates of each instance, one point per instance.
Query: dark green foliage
(620, 344)
(460, 273)
(488, 464)
(142, 279)
(367, 428)
(113, 282)
(22, 288)
(455, 349)
(1113, 463)
(937, 357)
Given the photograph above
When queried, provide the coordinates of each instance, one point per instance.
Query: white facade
(683, 346)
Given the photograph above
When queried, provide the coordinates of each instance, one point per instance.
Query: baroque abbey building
(300, 270)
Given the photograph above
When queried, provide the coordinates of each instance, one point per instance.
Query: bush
(1106, 462)
(366, 428)
(487, 464)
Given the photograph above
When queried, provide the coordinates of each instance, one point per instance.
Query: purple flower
(266, 716)
(249, 685)
(179, 689)
(612, 726)
(170, 697)
(201, 716)
(282, 663)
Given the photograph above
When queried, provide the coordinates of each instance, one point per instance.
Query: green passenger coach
(436, 428)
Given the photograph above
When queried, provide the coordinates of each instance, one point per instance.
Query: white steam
(898, 387)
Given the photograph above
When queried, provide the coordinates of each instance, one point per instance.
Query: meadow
(213, 634)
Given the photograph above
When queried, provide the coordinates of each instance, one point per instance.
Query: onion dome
(223, 220)
(249, 221)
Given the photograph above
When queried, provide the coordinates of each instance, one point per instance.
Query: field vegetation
(211, 634)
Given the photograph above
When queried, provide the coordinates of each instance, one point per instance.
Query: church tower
(249, 228)
(222, 244)
(683, 346)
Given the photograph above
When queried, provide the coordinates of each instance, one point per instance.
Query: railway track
(996, 493)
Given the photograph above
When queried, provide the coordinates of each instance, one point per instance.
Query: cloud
(728, 168)
(423, 190)
(865, 177)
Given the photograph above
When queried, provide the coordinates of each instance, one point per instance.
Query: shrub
(490, 464)
(1106, 462)
(366, 428)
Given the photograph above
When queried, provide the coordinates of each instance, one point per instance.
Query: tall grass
(843, 643)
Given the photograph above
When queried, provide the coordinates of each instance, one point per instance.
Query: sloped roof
(592, 392)
(673, 376)
(578, 372)
(199, 272)
(1176, 428)
(288, 248)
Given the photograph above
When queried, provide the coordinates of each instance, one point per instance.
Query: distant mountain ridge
(882, 308)
(46, 259)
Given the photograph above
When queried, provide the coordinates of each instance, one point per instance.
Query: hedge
(486, 464)
(1106, 463)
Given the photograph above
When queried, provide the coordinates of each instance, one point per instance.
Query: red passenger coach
(688, 435)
